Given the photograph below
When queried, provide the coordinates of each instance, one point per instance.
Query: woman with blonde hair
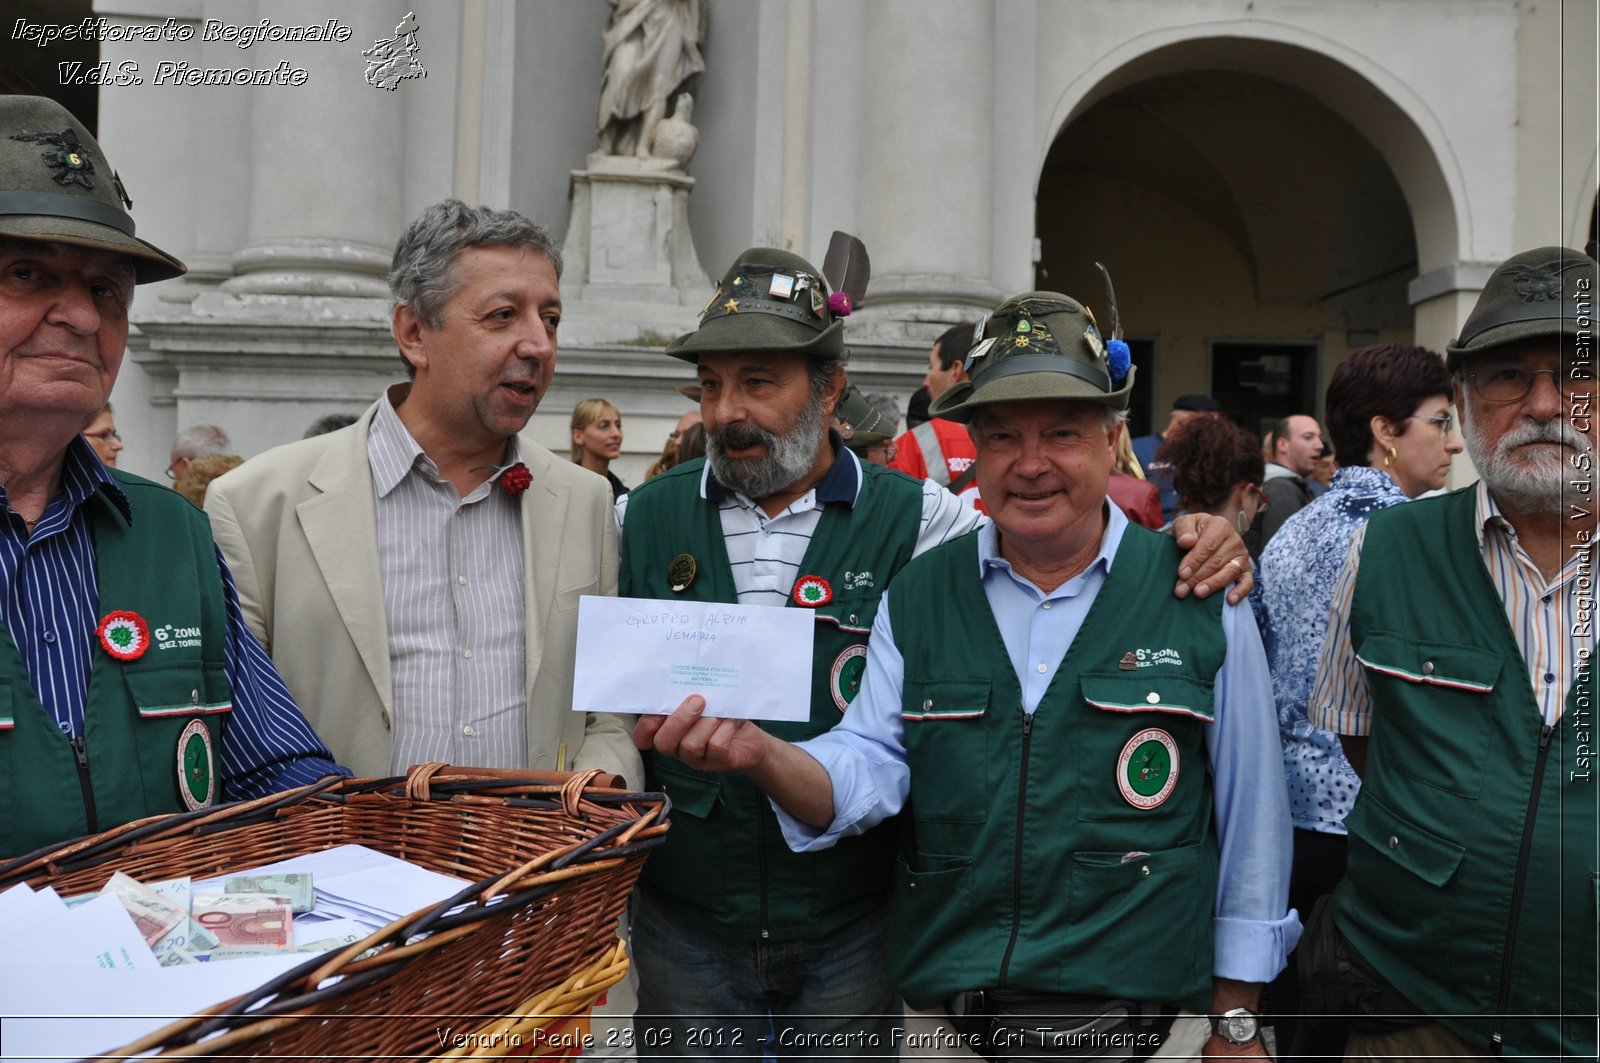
(597, 439)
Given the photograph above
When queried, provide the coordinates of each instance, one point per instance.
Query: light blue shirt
(865, 753)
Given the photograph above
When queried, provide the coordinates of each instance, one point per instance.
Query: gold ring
(1235, 561)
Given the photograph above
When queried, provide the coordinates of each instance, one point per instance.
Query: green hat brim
(150, 263)
(861, 440)
(758, 331)
(1514, 332)
(961, 401)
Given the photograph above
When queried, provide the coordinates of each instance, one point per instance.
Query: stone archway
(1263, 207)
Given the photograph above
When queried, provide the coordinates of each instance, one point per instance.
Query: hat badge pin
(70, 162)
(681, 572)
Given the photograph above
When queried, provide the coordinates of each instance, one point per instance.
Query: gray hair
(823, 370)
(200, 441)
(421, 275)
(330, 422)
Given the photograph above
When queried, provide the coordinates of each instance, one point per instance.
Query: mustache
(740, 437)
(1556, 431)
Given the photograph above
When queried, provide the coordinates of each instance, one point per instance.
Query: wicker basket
(553, 858)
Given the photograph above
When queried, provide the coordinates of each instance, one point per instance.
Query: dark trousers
(1318, 866)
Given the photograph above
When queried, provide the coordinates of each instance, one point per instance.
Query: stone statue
(676, 137)
(651, 48)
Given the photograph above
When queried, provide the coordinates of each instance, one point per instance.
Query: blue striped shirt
(50, 601)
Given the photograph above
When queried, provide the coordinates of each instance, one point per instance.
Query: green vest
(1071, 851)
(725, 864)
(141, 718)
(1461, 776)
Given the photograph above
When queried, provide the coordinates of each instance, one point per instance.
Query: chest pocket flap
(1458, 667)
(1150, 690)
(944, 699)
(178, 691)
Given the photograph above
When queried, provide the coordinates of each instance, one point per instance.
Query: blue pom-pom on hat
(1118, 359)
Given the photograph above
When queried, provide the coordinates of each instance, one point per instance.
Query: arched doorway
(1255, 231)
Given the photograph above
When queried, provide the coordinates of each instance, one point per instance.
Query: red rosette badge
(124, 635)
(515, 479)
(812, 591)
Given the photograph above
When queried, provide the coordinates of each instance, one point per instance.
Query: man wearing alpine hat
(729, 921)
(1459, 671)
(129, 685)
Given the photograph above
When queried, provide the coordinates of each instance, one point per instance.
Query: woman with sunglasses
(1388, 411)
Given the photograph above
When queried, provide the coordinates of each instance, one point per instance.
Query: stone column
(327, 182)
(925, 197)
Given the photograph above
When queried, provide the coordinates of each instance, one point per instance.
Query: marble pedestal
(632, 276)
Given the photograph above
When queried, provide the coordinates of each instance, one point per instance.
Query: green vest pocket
(1122, 905)
(1152, 691)
(694, 793)
(944, 724)
(185, 690)
(1414, 681)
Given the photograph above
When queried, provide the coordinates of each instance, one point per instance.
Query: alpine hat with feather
(774, 300)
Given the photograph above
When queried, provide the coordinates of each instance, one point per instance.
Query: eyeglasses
(1445, 422)
(104, 434)
(1511, 382)
(1262, 499)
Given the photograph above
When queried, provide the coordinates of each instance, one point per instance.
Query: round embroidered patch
(812, 591)
(1147, 770)
(845, 682)
(124, 635)
(197, 781)
(681, 572)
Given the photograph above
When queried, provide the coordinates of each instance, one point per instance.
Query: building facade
(1270, 182)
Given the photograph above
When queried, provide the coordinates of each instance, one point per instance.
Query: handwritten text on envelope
(642, 655)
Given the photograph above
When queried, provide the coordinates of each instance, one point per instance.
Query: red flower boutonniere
(515, 479)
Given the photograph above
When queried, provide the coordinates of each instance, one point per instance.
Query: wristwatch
(1237, 1026)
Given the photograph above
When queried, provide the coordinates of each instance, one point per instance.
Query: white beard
(789, 457)
(1530, 482)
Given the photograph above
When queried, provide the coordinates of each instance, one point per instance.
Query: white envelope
(642, 655)
(99, 933)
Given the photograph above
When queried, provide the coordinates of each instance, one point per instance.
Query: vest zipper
(1518, 881)
(1016, 857)
(82, 755)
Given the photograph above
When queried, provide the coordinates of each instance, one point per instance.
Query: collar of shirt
(82, 477)
(990, 561)
(841, 483)
(394, 453)
(1360, 481)
(1487, 518)
(1281, 472)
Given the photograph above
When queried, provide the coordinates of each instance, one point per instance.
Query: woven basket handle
(419, 779)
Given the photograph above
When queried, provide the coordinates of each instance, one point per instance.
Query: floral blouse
(1297, 573)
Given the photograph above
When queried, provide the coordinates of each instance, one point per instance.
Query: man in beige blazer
(325, 583)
